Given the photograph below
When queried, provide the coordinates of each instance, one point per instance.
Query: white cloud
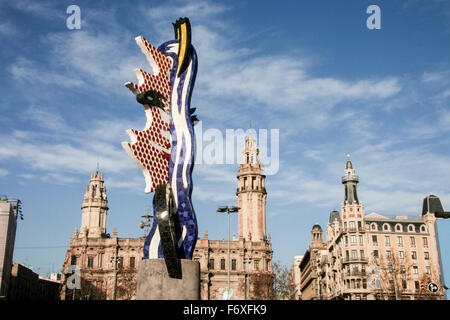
(56, 178)
(26, 176)
(3, 172)
(29, 72)
(7, 28)
(208, 194)
(431, 76)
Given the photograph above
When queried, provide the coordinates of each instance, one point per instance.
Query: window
(222, 264)
(361, 252)
(354, 254)
(425, 242)
(398, 227)
(360, 239)
(73, 260)
(386, 227)
(364, 282)
(387, 240)
(426, 255)
(411, 228)
(428, 269)
(374, 226)
(211, 264)
(412, 241)
(404, 284)
(416, 284)
(90, 262)
(388, 254)
(120, 262)
(401, 254)
(375, 239)
(233, 264)
(375, 253)
(132, 262)
(256, 264)
(352, 225)
(353, 239)
(422, 229)
(346, 239)
(400, 241)
(415, 269)
(413, 255)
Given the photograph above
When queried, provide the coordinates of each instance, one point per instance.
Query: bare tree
(394, 275)
(262, 285)
(126, 284)
(281, 284)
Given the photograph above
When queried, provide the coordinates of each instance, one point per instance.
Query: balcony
(354, 229)
(350, 178)
(354, 260)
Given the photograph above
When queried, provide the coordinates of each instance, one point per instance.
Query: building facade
(250, 261)
(107, 264)
(9, 211)
(309, 276)
(28, 285)
(372, 256)
(294, 278)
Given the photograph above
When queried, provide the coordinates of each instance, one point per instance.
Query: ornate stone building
(376, 257)
(309, 277)
(251, 273)
(94, 252)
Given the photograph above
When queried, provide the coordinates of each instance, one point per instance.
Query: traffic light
(422, 286)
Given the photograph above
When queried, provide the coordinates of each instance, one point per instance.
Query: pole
(395, 283)
(115, 274)
(229, 261)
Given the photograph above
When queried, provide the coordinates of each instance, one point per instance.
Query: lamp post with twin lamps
(228, 210)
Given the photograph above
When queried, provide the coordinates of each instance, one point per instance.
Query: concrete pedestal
(154, 283)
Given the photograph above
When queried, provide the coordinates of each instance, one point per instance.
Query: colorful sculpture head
(164, 149)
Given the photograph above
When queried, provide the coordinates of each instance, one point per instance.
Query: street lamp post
(228, 210)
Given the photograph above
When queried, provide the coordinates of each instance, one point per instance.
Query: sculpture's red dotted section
(154, 160)
(160, 82)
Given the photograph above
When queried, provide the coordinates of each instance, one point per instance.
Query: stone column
(154, 283)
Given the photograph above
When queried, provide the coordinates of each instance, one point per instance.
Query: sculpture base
(154, 283)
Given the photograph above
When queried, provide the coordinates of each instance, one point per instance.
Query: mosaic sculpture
(164, 149)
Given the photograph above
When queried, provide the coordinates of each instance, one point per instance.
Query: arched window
(386, 227)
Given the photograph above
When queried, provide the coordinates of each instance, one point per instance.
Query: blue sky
(311, 69)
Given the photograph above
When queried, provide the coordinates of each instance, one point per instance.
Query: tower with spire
(251, 194)
(94, 208)
(352, 209)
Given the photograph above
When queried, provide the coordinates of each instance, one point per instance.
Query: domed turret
(334, 215)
